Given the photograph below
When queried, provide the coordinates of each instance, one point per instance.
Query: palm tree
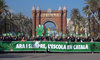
(23, 24)
(3, 14)
(92, 4)
(2, 6)
(76, 17)
(94, 8)
(88, 14)
(99, 15)
(11, 22)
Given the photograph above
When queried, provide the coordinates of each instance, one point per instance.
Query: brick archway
(58, 17)
(53, 21)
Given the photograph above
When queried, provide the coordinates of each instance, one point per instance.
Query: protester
(48, 38)
(1, 39)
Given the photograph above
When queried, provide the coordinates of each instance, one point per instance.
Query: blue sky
(25, 6)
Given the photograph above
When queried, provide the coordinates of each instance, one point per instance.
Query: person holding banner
(1, 38)
(23, 39)
(92, 39)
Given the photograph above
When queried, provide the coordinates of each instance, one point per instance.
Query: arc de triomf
(56, 16)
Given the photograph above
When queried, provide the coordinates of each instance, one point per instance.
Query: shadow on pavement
(11, 56)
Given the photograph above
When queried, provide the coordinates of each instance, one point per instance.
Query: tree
(23, 24)
(76, 18)
(88, 14)
(2, 6)
(3, 15)
(94, 9)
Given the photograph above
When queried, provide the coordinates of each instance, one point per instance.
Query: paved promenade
(50, 56)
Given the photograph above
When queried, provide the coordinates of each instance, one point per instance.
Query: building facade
(58, 17)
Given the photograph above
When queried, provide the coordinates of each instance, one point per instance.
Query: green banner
(50, 46)
(69, 47)
(23, 46)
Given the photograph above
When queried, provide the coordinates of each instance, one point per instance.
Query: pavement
(50, 56)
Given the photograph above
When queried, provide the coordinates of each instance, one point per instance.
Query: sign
(50, 15)
(40, 30)
(50, 46)
(23, 46)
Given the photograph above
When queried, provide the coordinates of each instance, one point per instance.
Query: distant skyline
(25, 6)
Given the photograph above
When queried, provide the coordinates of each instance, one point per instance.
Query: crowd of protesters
(48, 38)
(67, 39)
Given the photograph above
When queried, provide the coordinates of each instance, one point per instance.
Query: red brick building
(56, 16)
